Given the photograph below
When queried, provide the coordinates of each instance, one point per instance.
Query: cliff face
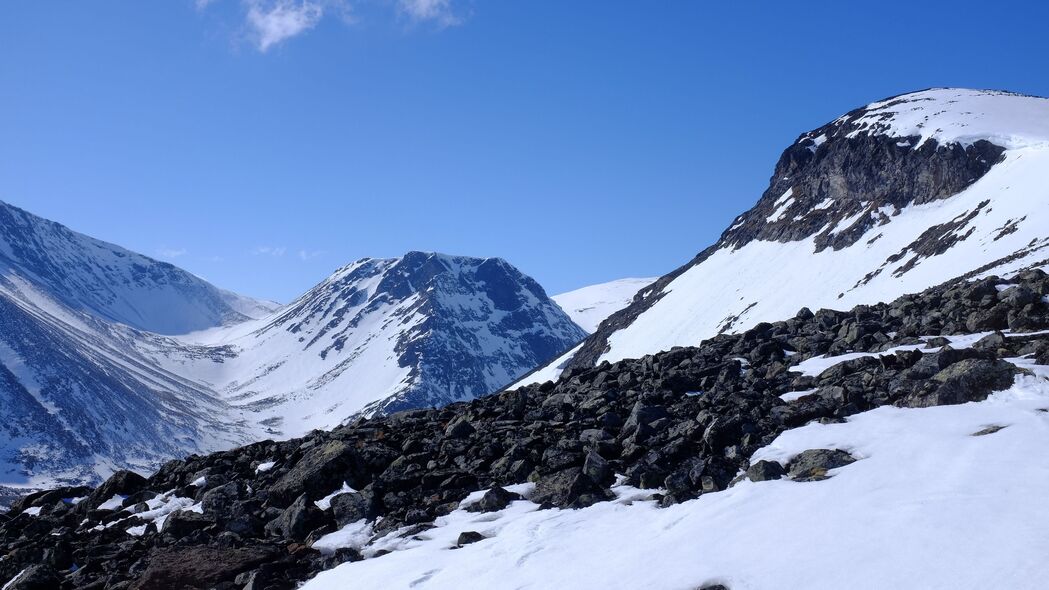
(899, 185)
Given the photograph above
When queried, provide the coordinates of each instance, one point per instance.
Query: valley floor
(929, 504)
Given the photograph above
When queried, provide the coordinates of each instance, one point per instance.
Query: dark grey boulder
(568, 488)
(37, 577)
(494, 500)
(459, 428)
(296, 521)
(182, 523)
(468, 537)
(964, 381)
(323, 467)
(353, 507)
(813, 464)
(765, 471)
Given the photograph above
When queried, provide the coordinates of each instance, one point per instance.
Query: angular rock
(765, 471)
(813, 464)
(568, 489)
(494, 500)
(296, 521)
(324, 467)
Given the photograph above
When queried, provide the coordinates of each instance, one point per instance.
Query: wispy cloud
(274, 21)
(269, 23)
(171, 252)
(435, 11)
(310, 254)
(275, 251)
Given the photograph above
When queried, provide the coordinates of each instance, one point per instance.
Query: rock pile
(684, 421)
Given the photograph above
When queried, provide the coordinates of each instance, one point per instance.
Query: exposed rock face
(685, 421)
(422, 330)
(848, 185)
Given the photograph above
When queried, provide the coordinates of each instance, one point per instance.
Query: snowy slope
(112, 283)
(79, 401)
(381, 335)
(928, 505)
(590, 305)
(893, 198)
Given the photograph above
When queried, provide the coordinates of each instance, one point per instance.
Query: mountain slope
(728, 463)
(892, 198)
(590, 305)
(79, 400)
(381, 335)
(112, 283)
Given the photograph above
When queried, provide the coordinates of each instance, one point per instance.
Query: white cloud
(269, 251)
(274, 21)
(171, 252)
(437, 11)
(202, 4)
(310, 254)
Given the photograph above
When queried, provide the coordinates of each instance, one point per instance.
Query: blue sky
(263, 143)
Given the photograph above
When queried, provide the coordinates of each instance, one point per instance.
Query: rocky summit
(684, 423)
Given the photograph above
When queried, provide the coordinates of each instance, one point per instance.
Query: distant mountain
(892, 198)
(589, 306)
(112, 283)
(80, 393)
(382, 335)
(111, 360)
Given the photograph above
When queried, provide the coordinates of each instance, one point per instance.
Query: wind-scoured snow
(923, 486)
(590, 305)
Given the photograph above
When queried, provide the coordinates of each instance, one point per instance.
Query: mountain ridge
(915, 156)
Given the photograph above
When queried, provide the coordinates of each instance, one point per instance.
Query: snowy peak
(893, 198)
(107, 281)
(381, 335)
(947, 116)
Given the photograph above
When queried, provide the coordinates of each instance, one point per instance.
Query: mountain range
(858, 366)
(112, 360)
(406, 406)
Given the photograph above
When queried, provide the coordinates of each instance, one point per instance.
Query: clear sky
(263, 143)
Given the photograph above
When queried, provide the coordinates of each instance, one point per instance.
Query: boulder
(296, 521)
(353, 507)
(323, 467)
(36, 577)
(813, 464)
(964, 381)
(494, 500)
(198, 567)
(467, 537)
(765, 471)
(569, 488)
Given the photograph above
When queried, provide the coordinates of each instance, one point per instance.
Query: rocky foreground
(685, 422)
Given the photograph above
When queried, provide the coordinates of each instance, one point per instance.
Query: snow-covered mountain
(382, 335)
(80, 393)
(590, 305)
(109, 282)
(109, 359)
(892, 198)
